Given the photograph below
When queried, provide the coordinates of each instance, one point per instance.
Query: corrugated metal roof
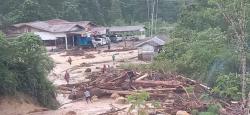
(55, 25)
(155, 41)
(126, 28)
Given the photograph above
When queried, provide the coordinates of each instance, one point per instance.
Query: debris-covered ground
(110, 87)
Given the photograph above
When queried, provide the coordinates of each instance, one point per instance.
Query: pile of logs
(168, 89)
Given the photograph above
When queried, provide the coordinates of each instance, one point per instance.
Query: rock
(85, 65)
(115, 96)
(71, 113)
(223, 111)
(88, 70)
(120, 100)
(98, 92)
(95, 98)
(78, 95)
(182, 113)
(89, 56)
(125, 86)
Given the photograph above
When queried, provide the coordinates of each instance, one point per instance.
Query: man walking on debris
(69, 60)
(104, 68)
(66, 77)
(73, 92)
(109, 44)
(113, 58)
(130, 75)
(87, 95)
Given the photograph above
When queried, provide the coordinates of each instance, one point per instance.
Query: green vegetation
(103, 12)
(213, 109)
(228, 86)
(210, 44)
(24, 67)
(140, 103)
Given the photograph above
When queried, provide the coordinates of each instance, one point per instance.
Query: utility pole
(156, 16)
(152, 18)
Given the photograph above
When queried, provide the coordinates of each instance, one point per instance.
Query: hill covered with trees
(103, 12)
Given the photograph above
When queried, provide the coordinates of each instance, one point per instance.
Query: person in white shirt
(87, 95)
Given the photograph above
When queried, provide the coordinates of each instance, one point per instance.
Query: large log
(151, 83)
(142, 77)
(131, 92)
(195, 82)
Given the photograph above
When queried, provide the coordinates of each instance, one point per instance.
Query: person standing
(130, 75)
(87, 95)
(66, 77)
(104, 68)
(69, 60)
(109, 46)
(113, 58)
(73, 92)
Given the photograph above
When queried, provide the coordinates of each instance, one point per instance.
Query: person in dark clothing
(73, 92)
(104, 68)
(69, 60)
(109, 44)
(130, 75)
(66, 77)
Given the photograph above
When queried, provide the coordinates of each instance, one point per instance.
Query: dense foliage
(205, 47)
(24, 67)
(202, 46)
(104, 12)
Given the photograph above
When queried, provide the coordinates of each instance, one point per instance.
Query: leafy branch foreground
(24, 67)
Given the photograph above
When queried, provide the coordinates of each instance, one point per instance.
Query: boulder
(223, 111)
(71, 113)
(78, 95)
(182, 113)
(121, 100)
(115, 95)
(95, 98)
(88, 70)
(98, 92)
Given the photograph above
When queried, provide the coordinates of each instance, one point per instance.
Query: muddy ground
(78, 74)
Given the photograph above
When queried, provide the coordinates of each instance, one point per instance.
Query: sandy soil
(82, 108)
(20, 105)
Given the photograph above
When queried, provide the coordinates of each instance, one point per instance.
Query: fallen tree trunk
(142, 77)
(131, 92)
(195, 82)
(111, 112)
(163, 89)
(148, 83)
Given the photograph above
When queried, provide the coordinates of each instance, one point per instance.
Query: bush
(139, 101)
(228, 86)
(25, 66)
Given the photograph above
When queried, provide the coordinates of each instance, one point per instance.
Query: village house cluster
(62, 34)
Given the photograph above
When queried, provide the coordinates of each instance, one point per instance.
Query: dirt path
(82, 108)
(77, 73)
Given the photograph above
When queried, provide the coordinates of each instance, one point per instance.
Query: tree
(235, 13)
(30, 11)
(70, 10)
(115, 12)
(25, 67)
